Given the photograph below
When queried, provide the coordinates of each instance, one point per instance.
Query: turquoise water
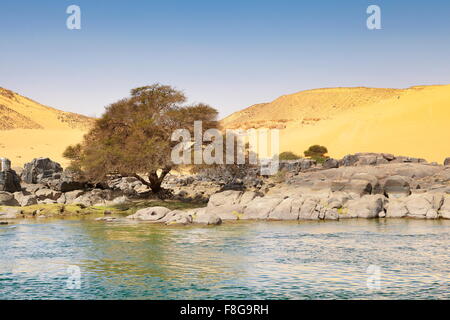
(306, 260)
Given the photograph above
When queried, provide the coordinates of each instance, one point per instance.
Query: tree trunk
(156, 181)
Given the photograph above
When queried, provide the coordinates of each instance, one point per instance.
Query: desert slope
(29, 129)
(413, 122)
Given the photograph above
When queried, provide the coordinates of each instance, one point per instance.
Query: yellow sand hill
(29, 129)
(413, 122)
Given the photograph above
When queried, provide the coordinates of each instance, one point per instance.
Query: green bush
(317, 153)
(288, 155)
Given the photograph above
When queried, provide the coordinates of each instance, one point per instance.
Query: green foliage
(317, 153)
(74, 210)
(133, 136)
(74, 153)
(316, 150)
(288, 155)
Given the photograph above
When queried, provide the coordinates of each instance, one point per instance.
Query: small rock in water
(106, 219)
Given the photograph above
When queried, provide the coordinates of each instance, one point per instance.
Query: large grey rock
(72, 195)
(7, 199)
(177, 217)
(357, 186)
(306, 164)
(228, 197)
(349, 160)
(150, 214)
(366, 207)
(296, 166)
(227, 212)
(202, 217)
(39, 169)
(447, 162)
(330, 163)
(288, 209)
(289, 165)
(65, 182)
(95, 197)
(310, 209)
(247, 197)
(43, 194)
(388, 156)
(9, 181)
(61, 199)
(424, 205)
(260, 208)
(118, 201)
(367, 160)
(418, 206)
(444, 211)
(32, 188)
(376, 187)
(396, 186)
(338, 199)
(396, 208)
(331, 214)
(25, 200)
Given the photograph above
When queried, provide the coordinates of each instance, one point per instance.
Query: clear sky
(229, 54)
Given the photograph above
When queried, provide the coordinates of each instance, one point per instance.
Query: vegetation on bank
(317, 152)
(288, 155)
(74, 210)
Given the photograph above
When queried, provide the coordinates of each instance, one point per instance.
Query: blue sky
(229, 54)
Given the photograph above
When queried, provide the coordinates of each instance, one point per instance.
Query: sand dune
(29, 129)
(413, 122)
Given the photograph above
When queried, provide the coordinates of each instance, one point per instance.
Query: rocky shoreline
(358, 186)
(364, 185)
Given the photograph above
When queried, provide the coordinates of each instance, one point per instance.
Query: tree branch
(141, 179)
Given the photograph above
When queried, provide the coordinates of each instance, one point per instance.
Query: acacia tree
(317, 153)
(133, 136)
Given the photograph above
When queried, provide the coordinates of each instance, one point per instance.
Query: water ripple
(305, 260)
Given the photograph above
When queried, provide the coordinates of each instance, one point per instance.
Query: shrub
(288, 155)
(317, 153)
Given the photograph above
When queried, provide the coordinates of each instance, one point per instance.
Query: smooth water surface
(252, 260)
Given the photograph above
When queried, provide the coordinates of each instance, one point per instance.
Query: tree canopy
(288, 155)
(317, 153)
(133, 136)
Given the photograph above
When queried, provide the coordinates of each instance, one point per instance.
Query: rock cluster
(9, 181)
(39, 169)
(175, 217)
(363, 185)
(237, 205)
(359, 186)
(45, 182)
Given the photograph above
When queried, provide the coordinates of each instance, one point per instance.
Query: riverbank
(41, 211)
(364, 186)
(368, 186)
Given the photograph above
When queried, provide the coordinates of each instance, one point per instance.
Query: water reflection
(238, 260)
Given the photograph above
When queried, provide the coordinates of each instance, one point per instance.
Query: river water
(354, 259)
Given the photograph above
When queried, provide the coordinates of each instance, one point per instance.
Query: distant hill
(18, 112)
(413, 121)
(29, 129)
